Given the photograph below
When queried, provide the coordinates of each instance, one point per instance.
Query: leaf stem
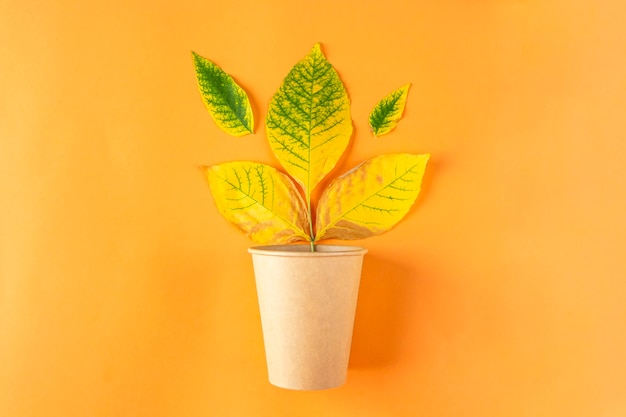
(311, 235)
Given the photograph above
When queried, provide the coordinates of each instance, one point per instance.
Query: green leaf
(226, 101)
(260, 200)
(388, 111)
(308, 123)
(371, 198)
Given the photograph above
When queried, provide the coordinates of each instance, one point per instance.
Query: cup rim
(304, 250)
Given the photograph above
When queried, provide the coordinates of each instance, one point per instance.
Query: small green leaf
(388, 111)
(226, 101)
(309, 123)
(371, 198)
(260, 200)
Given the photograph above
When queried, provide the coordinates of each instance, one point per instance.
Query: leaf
(308, 123)
(261, 201)
(371, 198)
(388, 111)
(226, 101)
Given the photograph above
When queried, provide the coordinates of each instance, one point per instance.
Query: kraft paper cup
(307, 302)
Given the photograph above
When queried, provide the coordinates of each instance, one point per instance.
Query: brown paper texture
(308, 303)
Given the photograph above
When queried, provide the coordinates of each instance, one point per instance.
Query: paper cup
(307, 302)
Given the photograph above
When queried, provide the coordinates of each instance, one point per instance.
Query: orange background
(123, 293)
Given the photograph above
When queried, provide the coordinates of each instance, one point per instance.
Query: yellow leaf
(388, 111)
(308, 122)
(261, 201)
(370, 199)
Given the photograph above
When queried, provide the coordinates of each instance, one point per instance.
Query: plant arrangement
(308, 127)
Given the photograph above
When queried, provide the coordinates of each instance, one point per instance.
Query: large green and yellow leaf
(371, 198)
(309, 123)
(260, 200)
(388, 111)
(226, 101)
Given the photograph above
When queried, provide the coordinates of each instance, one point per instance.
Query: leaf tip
(317, 50)
(404, 90)
(197, 59)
